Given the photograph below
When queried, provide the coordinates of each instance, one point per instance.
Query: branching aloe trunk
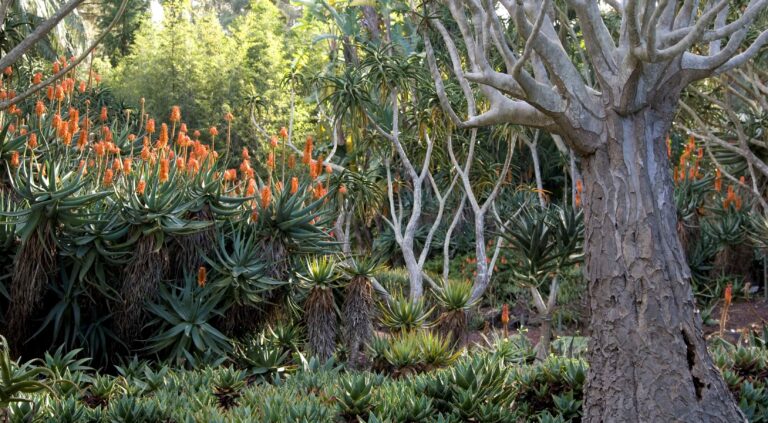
(640, 298)
(546, 310)
(648, 358)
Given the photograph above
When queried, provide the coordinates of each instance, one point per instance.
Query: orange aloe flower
(15, 162)
(271, 160)
(228, 117)
(284, 132)
(32, 142)
(164, 169)
(151, 126)
(193, 165)
(175, 114)
(266, 197)
(162, 140)
(59, 93)
(39, 108)
(251, 188)
(728, 294)
(343, 190)
(505, 315)
(127, 165)
(307, 157)
(273, 142)
(145, 153)
(718, 180)
(103, 115)
(37, 78)
(108, 175)
(201, 276)
(312, 171)
(294, 185)
(141, 187)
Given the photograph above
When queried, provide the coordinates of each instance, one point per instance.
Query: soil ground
(743, 316)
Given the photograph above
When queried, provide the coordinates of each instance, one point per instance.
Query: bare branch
(448, 234)
(38, 34)
(693, 36)
(4, 105)
(750, 52)
(597, 38)
(515, 72)
(720, 31)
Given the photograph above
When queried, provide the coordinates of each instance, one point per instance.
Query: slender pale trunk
(648, 358)
(482, 278)
(537, 172)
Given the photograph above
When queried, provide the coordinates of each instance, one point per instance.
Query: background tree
(648, 358)
(118, 42)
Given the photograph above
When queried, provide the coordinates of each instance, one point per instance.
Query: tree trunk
(545, 338)
(648, 358)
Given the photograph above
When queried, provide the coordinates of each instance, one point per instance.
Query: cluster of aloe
(719, 228)
(268, 379)
(120, 233)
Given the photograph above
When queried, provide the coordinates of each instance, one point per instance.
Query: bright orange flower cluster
(732, 198)
(579, 189)
(266, 197)
(307, 157)
(685, 170)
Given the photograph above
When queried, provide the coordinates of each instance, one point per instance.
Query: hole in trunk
(690, 353)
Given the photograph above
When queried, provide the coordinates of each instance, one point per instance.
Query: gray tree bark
(648, 357)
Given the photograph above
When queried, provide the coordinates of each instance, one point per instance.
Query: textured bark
(648, 358)
(357, 313)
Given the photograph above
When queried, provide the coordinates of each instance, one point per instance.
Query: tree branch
(38, 34)
(6, 104)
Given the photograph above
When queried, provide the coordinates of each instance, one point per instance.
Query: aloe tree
(648, 358)
(358, 308)
(546, 242)
(319, 278)
(153, 212)
(55, 196)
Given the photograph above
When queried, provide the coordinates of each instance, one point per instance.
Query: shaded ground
(743, 317)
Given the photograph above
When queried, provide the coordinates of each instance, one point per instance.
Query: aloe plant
(545, 242)
(319, 278)
(54, 196)
(455, 300)
(153, 212)
(358, 307)
(183, 321)
(18, 379)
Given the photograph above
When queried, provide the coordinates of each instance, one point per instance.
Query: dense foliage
(228, 214)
